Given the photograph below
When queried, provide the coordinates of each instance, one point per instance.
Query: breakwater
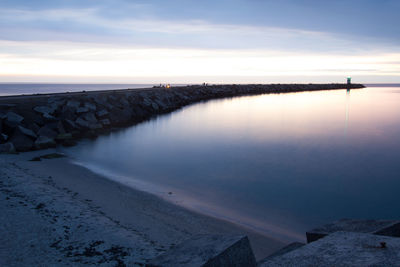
(31, 122)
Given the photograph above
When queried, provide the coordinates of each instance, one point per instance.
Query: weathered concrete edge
(343, 248)
(31, 122)
(208, 250)
(282, 251)
(377, 227)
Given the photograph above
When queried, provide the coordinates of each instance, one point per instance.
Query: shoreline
(144, 225)
(183, 200)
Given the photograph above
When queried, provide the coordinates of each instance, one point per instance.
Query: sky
(191, 41)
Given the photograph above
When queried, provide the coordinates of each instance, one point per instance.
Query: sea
(46, 88)
(280, 164)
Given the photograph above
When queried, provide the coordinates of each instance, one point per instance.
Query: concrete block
(378, 227)
(209, 251)
(343, 249)
(284, 250)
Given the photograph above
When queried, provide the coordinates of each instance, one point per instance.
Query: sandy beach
(54, 212)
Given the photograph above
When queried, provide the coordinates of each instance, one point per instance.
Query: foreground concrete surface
(209, 251)
(378, 227)
(343, 249)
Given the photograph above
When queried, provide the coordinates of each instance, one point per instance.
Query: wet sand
(55, 212)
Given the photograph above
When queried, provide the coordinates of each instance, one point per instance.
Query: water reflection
(347, 111)
(278, 163)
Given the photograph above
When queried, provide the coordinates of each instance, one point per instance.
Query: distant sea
(382, 84)
(45, 88)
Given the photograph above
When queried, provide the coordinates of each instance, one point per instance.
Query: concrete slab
(284, 250)
(378, 227)
(209, 250)
(343, 249)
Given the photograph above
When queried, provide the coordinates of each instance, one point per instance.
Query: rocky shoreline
(32, 122)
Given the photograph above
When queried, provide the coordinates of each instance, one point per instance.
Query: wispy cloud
(88, 25)
(140, 64)
(131, 41)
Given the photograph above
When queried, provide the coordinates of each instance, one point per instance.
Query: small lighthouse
(348, 80)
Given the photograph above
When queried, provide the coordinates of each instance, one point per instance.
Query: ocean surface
(278, 163)
(45, 88)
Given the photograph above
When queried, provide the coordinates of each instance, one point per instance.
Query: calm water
(280, 164)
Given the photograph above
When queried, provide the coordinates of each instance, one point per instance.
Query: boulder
(44, 110)
(69, 142)
(100, 100)
(133, 100)
(102, 113)
(31, 116)
(26, 132)
(147, 101)
(112, 97)
(64, 136)
(44, 142)
(13, 119)
(54, 99)
(90, 106)
(52, 125)
(161, 104)
(47, 132)
(144, 94)
(114, 104)
(182, 96)
(105, 122)
(155, 106)
(91, 134)
(60, 127)
(55, 105)
(7, 106)
(124, 102)
(3, 138)
(21, 142)
(90, 117)
(120, 116)
(80, 110)
(82, 123)
(68, 113)
(49, 117)
(7, 148)
(109, 106)
(209, 250)
(73, 104)
(31, 125)
(126, 115)
(70, 125)
(140, 112)
(95, 126)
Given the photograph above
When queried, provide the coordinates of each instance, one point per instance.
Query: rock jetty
(31, 122)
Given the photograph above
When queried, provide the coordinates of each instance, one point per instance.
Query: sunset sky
(193, 41)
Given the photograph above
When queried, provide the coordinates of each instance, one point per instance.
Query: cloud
(135, 64)
(79, 39)
(88, 25)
